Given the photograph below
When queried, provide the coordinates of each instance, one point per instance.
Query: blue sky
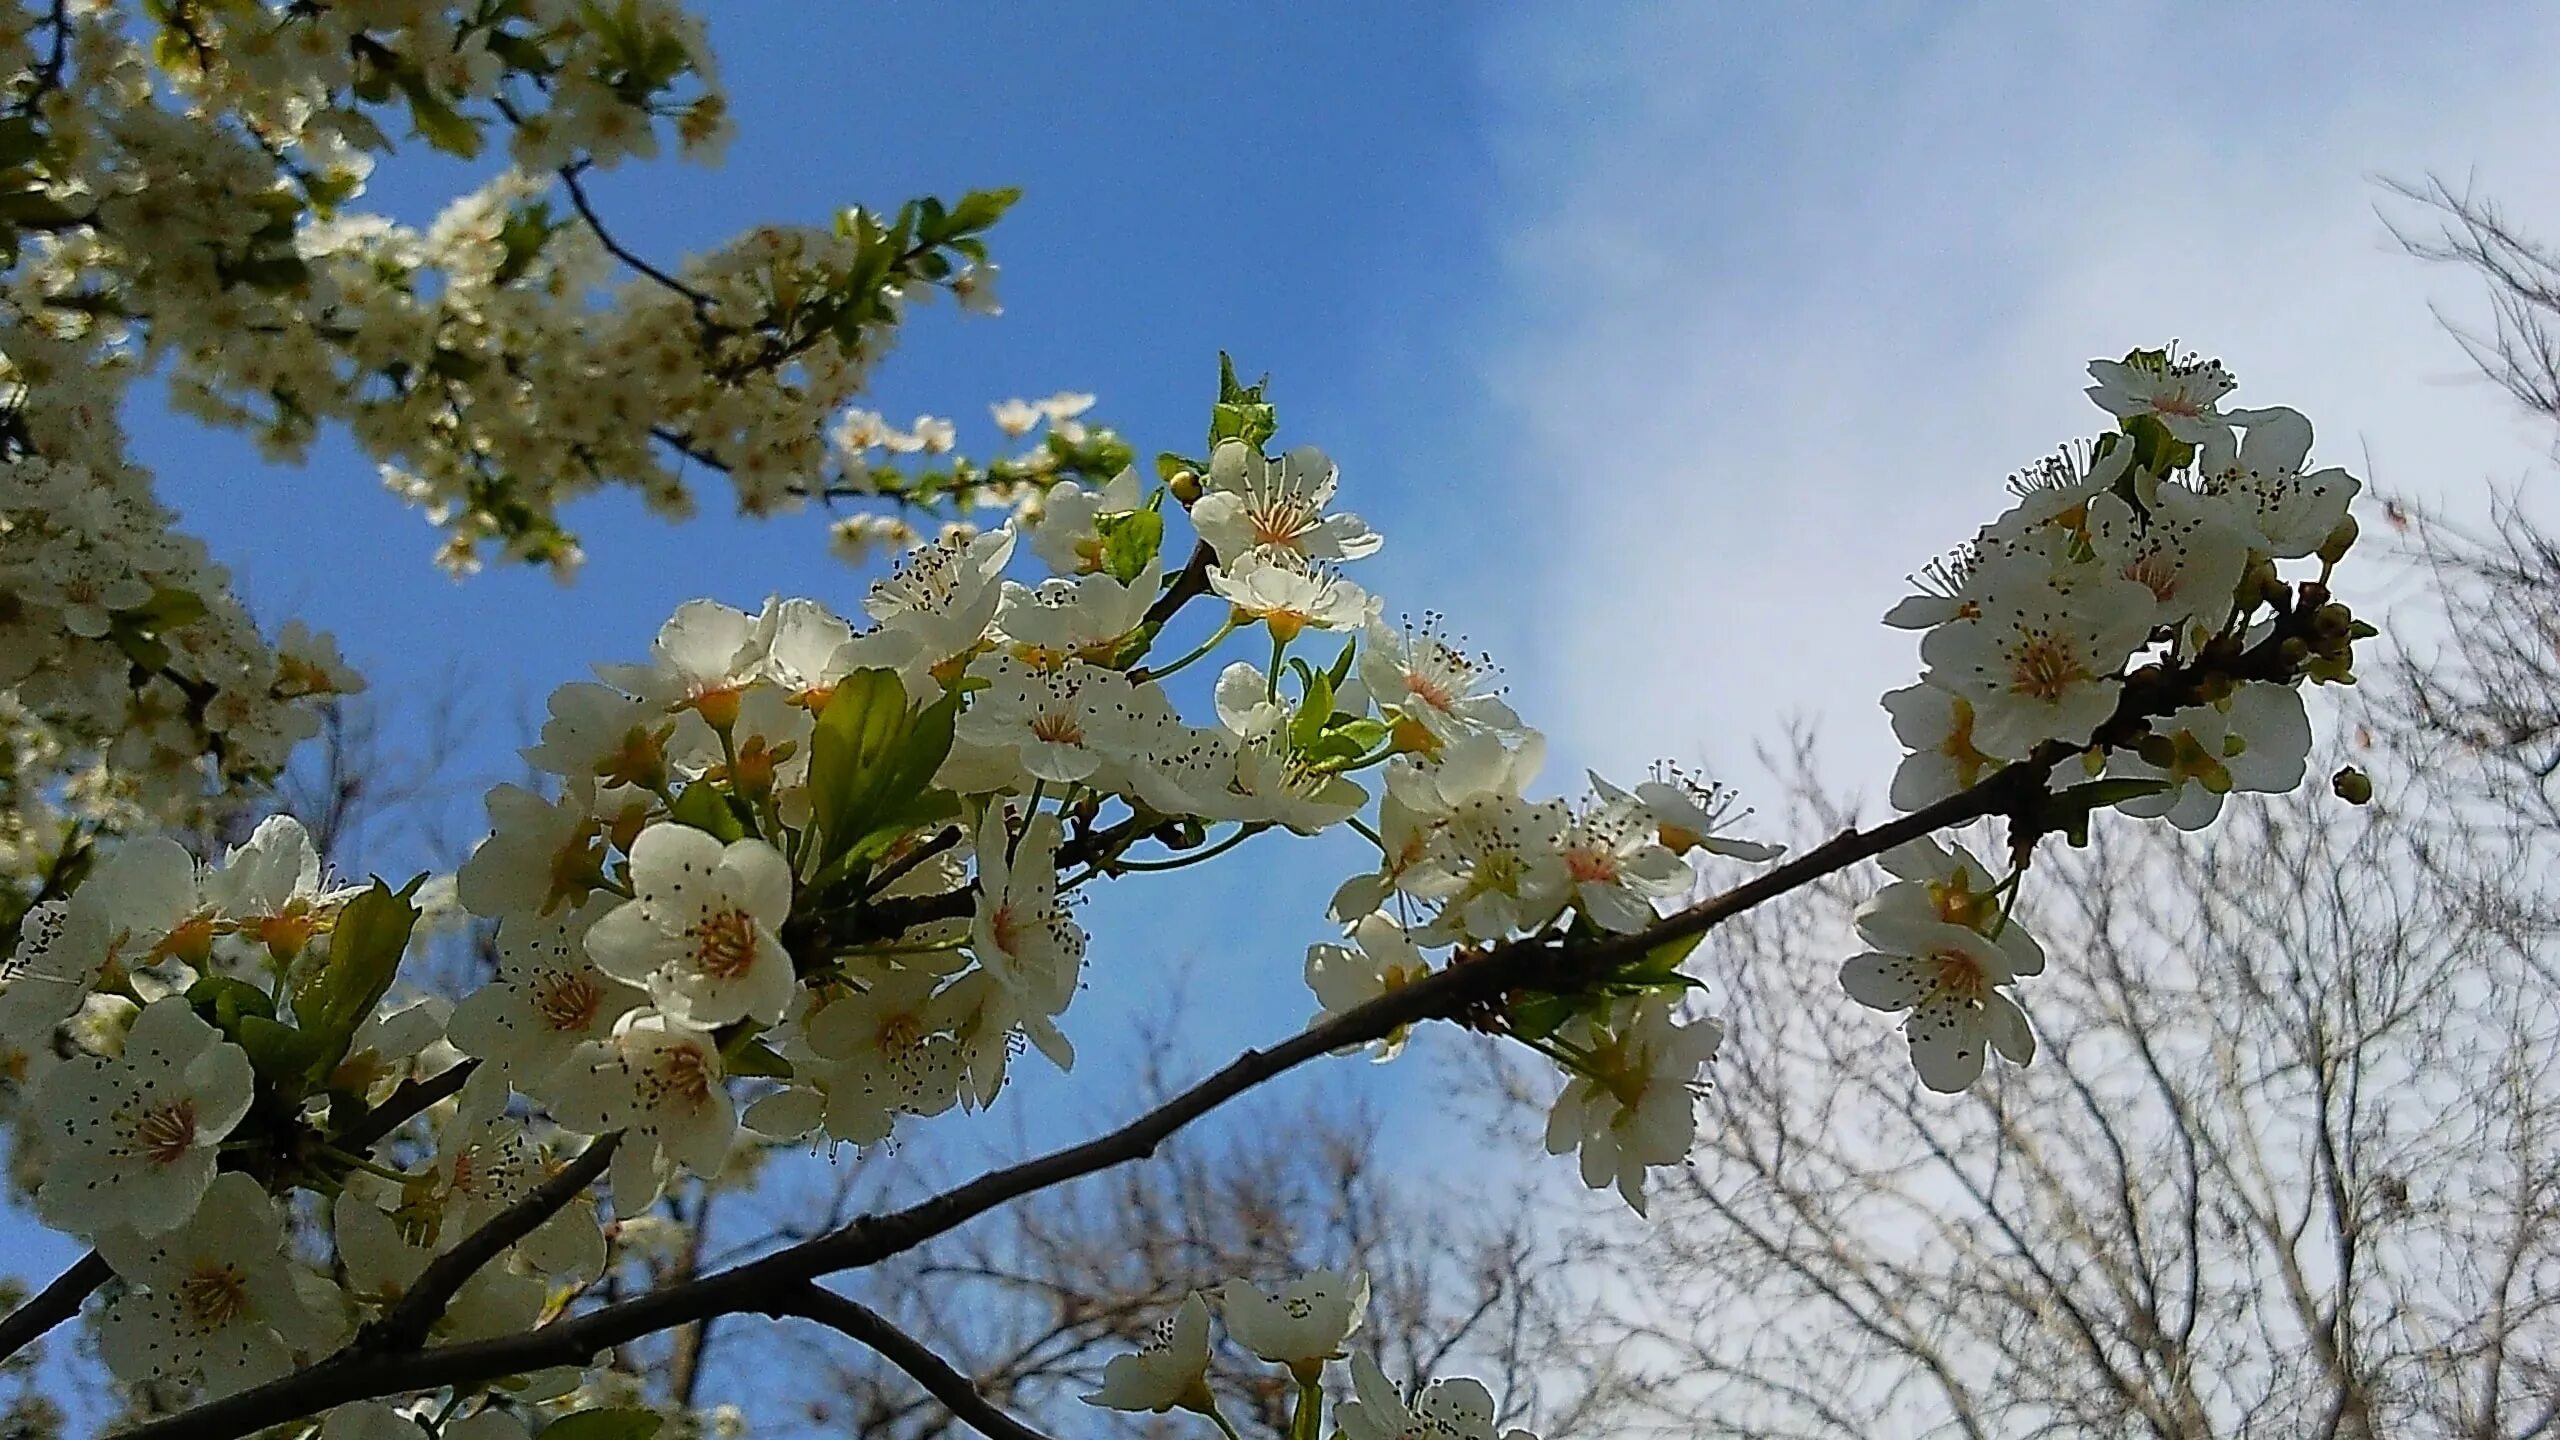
(1660, 341)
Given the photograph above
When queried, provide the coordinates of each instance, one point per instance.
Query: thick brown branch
(403, 1105)
(955, 1390)
(1189, 583)
(52, 1305)
(407, 1325)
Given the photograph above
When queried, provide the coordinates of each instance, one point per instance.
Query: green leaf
(1240, 413)
(1169, 465)
(1130, 542)
(872, 757)
(520, 52)
(1252, 424)
(224, 1002)
(703, 806)
(283, 1055)
(1315, 708)
(437, 122)
(750, 1056)
(365, 947)
(1341, 670)
(630, 1423)
(1347, 739)
(1232, 393)
(268, 272)
(1661, 964)
(1537, 1015)
(169, 608)
(979, 209)
(36, 208)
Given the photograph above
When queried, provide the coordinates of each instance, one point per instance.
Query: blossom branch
(956, 1391)
(704, 305)
(1189, 583)
(771, 1285)
(61, 1299)
(407, 1324)
(52, 1305)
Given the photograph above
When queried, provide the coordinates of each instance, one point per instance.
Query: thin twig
(703, 303)
(955, 1390)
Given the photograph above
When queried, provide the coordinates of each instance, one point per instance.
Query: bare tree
(2289, 1164)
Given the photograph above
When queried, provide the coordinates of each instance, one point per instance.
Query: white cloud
(1800, 297)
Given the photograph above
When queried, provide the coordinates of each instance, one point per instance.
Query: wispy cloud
(1788, 301)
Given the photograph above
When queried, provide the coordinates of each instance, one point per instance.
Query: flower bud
(1185, 485)
(2260, 585)
(2352, 785)
(2340, 541)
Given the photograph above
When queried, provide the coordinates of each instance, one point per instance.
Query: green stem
(1223, 1423)
(1225, 628)
(1271, 682)
(1374, 838)
(1306, 1421)
(1195, 857)
(358, 1162)
(729, 759)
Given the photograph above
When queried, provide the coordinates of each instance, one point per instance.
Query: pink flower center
(168, 1132)
(1591, 867)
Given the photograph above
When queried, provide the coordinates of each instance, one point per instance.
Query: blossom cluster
(1303, 1329)
(696, 893)
(805, 878)
(127, 660)
(200, 210)
(2124, 629)
(182, 193)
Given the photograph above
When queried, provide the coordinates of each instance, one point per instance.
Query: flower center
(215, 1295)
(1959, 974)
(1591, 867)
(2045, 668)
(1279, 520)
(2157, 572)
(567, 1001)
(1008, 929)
(901, 1033)
(168, 1132)
(2178, 403)
(725, 944)
(1430, 690)
(1057, 728)
(684, 1074)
